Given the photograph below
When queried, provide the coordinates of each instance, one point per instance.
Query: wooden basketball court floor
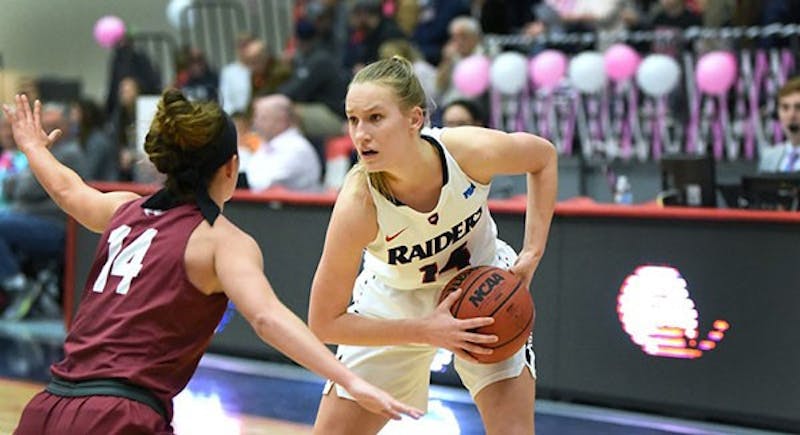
(240, 396)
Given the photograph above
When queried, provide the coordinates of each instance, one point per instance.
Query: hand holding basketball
(499, 294)
(455, 335)
(524, 267)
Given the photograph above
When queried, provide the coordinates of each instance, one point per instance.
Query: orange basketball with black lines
(494, 292)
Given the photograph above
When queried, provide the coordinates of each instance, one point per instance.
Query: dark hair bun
(180, 130)
(180, 120)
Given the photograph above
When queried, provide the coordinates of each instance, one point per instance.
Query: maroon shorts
(49, 414)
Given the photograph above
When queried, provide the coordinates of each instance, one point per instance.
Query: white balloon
(509, 72)
(658, 74)
(175, 9)
(587, 71)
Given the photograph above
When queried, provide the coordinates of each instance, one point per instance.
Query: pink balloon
(716, 72)
(471, 75)
(548, 68)
(621, 61)
(108, 30)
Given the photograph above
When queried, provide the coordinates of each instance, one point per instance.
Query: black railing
(212, 27)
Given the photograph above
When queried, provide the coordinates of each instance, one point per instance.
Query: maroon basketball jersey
(140, 319)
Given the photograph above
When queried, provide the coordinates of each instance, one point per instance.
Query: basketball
(493, 292)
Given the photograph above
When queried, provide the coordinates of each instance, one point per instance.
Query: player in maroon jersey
(164, 269)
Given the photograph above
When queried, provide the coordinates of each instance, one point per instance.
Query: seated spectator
(465, 41)
(33, 226)
(195, 78)
(317, 86)
(285, 157)
(432, 28)
(234, 80)
(463, 112)
(102, 161)
(266, 71)
(785, 156)
(12, 160)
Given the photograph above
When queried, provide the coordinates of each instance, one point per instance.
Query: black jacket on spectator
(683, 21)
(128, 62)
(506, 16)
(316, 77)
(431, 32)
(201, 88)
(363, 48)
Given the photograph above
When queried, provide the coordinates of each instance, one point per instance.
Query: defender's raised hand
(26, 123)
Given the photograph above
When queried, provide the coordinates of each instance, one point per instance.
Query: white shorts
(404, 371)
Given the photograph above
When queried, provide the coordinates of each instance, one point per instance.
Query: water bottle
(622, 191)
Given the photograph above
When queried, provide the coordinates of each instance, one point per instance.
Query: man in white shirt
(785, 157)
(234, 80)
(285, 157)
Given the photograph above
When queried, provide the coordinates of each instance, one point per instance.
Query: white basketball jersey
(416, 250)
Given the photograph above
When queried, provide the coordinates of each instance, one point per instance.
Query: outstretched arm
(92, 208)
(238, 264)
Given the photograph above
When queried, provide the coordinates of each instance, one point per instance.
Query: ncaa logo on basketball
(485, 288)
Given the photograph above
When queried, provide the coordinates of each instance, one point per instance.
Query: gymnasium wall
(734, 271)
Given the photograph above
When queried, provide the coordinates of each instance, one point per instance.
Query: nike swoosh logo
(392, 237)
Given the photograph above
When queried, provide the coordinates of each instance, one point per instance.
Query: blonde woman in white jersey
(415, 210)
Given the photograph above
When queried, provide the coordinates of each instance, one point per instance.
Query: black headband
(196, 174)
(224, 145)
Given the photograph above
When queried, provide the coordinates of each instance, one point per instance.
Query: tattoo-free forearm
(355, 329)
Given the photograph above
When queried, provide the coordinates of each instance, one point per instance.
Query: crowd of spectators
(288, 105)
